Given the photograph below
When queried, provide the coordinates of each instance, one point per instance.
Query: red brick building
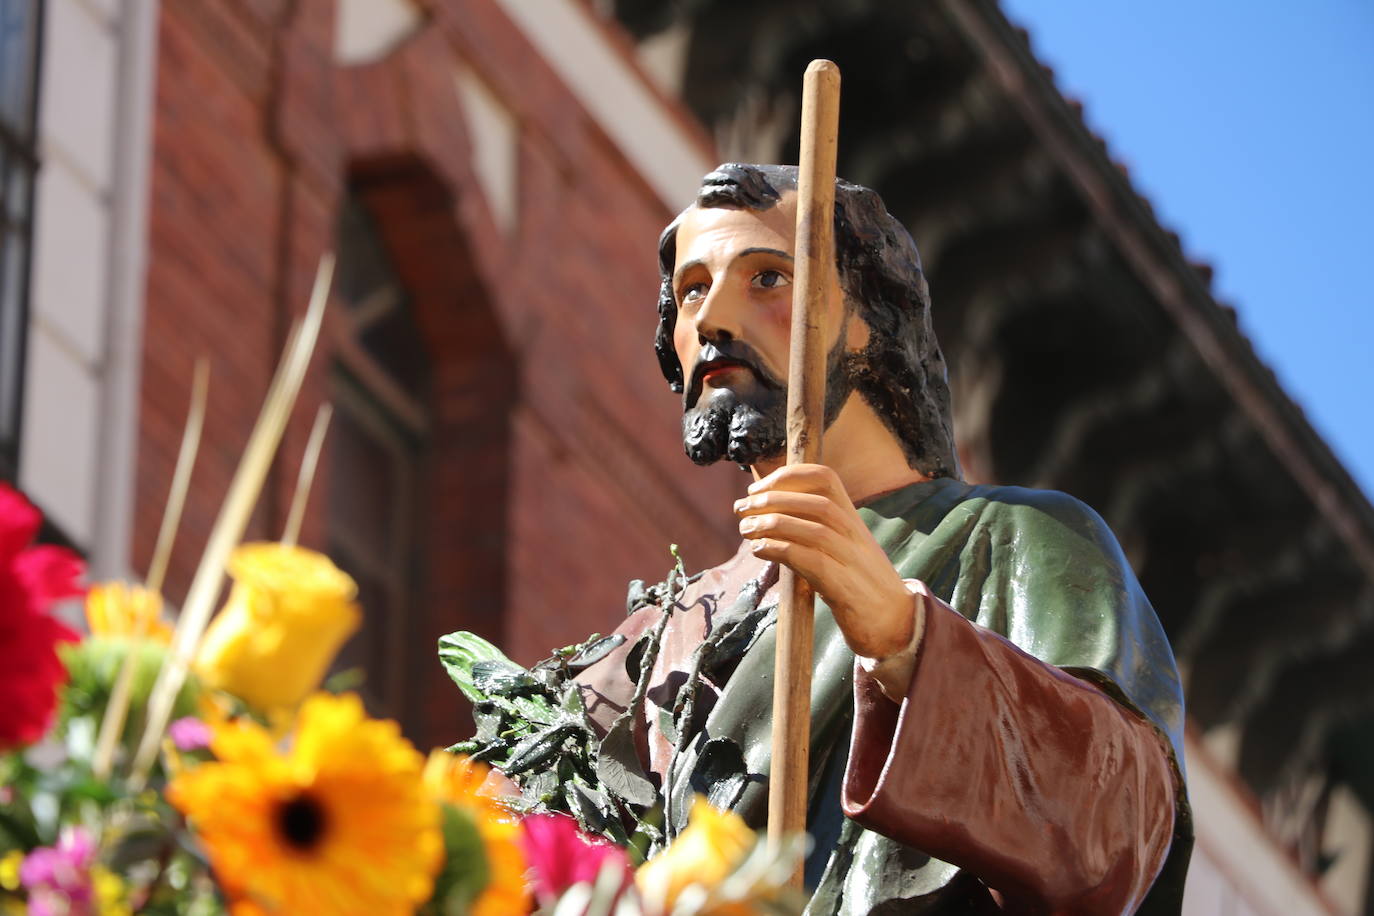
(504, 455)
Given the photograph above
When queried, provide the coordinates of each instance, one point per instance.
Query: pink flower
(58, 877)
(31, 579)
(561, 855)
(189, 734)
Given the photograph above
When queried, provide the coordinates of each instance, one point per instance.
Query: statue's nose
(720, 315)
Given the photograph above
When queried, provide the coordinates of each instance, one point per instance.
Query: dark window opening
(20, 33)
(426, 386)
(378, 454)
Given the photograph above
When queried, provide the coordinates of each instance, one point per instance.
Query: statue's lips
(723, 367)
(716, 371)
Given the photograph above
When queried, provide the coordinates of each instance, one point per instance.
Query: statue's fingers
(812, 506)
(791, 529)
(802, 478)
(810, 563)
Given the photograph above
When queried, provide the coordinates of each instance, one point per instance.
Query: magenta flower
(561, 855)
(58, 877)
(189, 734)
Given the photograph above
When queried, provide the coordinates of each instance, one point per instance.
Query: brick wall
(556, 471)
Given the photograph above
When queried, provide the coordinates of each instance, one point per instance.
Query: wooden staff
(815, 265)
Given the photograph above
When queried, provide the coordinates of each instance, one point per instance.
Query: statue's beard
(745, 427)
(747, 422)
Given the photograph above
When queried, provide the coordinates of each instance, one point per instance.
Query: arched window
(379, 444)
(425, 387)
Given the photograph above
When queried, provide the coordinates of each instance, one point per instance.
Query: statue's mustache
(716, 354)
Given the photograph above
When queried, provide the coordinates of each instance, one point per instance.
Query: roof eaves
(1154, 252)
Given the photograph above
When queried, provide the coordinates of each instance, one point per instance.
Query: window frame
(400, 424)
(19, 150)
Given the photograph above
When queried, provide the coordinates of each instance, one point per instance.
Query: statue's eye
(694, 293)
(770, 279)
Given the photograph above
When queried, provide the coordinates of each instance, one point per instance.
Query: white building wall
(1237, 870)
(86, 281)
(576, 46)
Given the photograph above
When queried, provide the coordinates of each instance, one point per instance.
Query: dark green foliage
(532, 725)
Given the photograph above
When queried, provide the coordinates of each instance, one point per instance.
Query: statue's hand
(801, 516)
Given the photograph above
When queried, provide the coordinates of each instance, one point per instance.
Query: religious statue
(996, 716)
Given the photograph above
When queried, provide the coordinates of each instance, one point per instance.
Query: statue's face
(732, 280)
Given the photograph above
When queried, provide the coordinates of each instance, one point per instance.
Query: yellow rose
(115, 610)
(711, 846)
(287, 616)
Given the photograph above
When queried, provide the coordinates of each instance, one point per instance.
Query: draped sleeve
(1035, 745)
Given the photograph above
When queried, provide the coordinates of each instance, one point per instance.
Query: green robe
(1037, 567)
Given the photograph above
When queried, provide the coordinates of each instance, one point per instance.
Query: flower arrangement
(204, 767)
(338, 814)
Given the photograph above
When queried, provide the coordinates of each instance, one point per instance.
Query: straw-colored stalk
(306, 478)
(231, 523)
(117, 710)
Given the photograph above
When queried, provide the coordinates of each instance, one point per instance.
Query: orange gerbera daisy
(454, 780)
(339, 824)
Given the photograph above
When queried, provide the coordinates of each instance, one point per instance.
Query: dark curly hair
(901, 373)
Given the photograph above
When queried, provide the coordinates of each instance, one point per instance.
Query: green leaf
(502, 678)
(541, 787)
(667, 725)
(465, 872)
(459, 651)
(21, 832)
(527, 709)
(345, 680)
(594, 650)
(92, 789)
(572, 704)
(540, 748)
(619, 769)
(93, 666)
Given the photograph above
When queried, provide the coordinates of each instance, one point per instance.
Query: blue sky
(1250, 127)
